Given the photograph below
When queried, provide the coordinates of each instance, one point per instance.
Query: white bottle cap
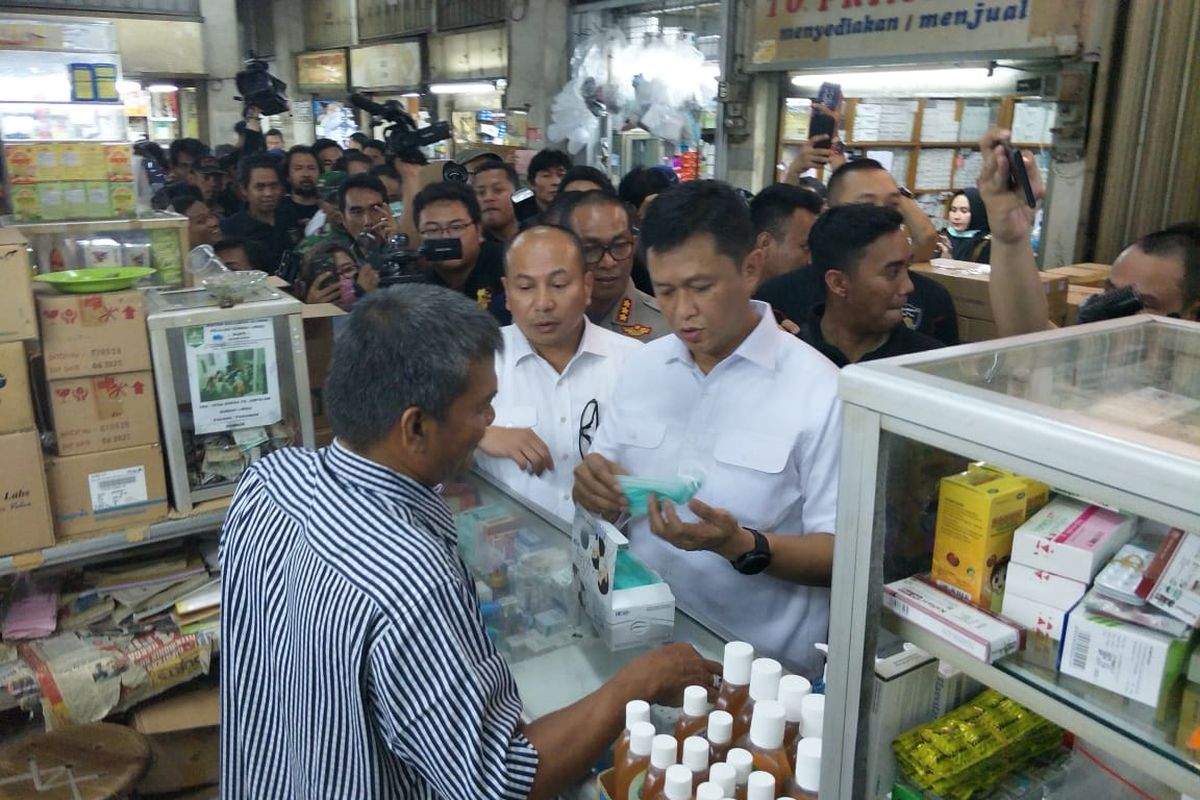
(720, 727)
(764, 680)
(725, 776)
(678, 785)
(710, 791)
(812, 715)
(761, 786)
(792, 690)
(663, 751)
(742, 763)
(808, 764)
(695, 753)
(636, 711)
(641, 738)
(766, 725)
(738, 657)
(695, 701)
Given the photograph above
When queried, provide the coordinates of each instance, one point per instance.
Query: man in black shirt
(450, 211)
(301, 171)
(494, 183)
(259, 178)
(545, 172)
(865, 256)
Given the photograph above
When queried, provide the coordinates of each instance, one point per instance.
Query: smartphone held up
(1018, 176)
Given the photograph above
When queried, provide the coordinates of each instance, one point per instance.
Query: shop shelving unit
(1109, 412)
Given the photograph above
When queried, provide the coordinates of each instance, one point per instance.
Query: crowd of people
(654, 328)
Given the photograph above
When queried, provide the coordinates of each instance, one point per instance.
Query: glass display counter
(1108, 412)
(531, 607)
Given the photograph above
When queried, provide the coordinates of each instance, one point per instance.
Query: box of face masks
(629, 604)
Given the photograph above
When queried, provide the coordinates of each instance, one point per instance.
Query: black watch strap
(756, 560)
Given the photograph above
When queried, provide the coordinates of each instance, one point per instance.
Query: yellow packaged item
(977, 514)
(1038, 493)
(47, 165)
(26, 203)
(98, 206)
(121, 199)
(21, 162)
(70, 161)
(75, 205)
(50, 197)
(118, 160)
(91, 162)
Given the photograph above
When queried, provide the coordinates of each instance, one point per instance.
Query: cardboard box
(24, 501)
(1037, 494)
(976, 330)
(93, 334)
(103, 412)
(26, 203)
(1089, 274)
(901, 698)
(1042, 586)
(1075, 296)
(1035, 615)
(74, 199)
(92, 164)
(1177, 591)
(321, 324)
(51, 202)
(968, 285)
(21, 162)
(18, 320)
(97, 199)
(122, 200)
(200, 708)
(118, 163)
(1129, 660)
(45, 157)
(1071, 538)
(977, 514)
(103, 491)
(16, 400)
(972, 630)
(952, 688)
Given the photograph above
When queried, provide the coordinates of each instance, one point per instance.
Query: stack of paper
(200, 609)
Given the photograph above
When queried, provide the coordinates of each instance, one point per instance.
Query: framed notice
(326, 71)
(233, 377)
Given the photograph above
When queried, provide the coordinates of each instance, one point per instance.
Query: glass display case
(232, 385)
(1108, 413)
(556, 657)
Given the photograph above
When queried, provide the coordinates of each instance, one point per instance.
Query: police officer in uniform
(604, 225)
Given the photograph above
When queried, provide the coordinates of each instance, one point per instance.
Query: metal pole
(728, 52)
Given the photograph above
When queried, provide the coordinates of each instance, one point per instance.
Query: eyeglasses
(454, 230)
(589, 421)
(619, 250)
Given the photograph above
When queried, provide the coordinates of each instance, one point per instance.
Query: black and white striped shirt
(354, 660)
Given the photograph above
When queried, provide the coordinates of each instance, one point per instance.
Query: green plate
(97, 279)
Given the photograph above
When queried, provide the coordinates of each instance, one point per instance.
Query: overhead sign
(317, 72)
(386, 66)
(796, 33)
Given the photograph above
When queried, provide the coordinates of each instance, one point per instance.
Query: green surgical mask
(638, 491)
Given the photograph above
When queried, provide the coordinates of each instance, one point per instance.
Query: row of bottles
(762, 741)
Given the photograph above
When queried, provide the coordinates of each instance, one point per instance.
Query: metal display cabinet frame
(1046, 405)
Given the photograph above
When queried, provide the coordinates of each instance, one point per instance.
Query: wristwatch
(754, 561)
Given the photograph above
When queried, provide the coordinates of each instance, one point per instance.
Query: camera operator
(450, 211)
(332, 273)
(1163, 268)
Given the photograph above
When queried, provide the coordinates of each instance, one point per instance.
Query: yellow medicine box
(1038, 492)
(977, 514)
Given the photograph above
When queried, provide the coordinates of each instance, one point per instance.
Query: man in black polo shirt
(259, 177)
(451, 211)
(863, 255)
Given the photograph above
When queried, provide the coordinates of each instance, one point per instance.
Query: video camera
(396, 262)
(261, 89)
(402, 136)
(1112, 304)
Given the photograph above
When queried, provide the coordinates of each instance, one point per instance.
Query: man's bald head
(537, 241)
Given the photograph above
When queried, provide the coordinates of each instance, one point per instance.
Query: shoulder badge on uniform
(912, 316)
(636, 330)
(624, 311)
(483, 298)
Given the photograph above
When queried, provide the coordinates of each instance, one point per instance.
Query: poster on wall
(334, 120)
(792, 33)
(232, 375)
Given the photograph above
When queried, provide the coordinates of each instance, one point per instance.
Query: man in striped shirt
(355, 662)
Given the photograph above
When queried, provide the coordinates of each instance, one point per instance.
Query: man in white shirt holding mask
(555, 374)
(749, 408)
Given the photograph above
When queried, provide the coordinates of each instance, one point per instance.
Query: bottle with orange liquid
(766, 741)
(807, 780)
(792, 691)
(735, 677)
(725, 776)
(663, 752)
(765, 674)
(720, 736)
(743, 764)
(695, 758)
(630, 771)
(635, 711)
(695, 713)
(760, 786)
(678, 783)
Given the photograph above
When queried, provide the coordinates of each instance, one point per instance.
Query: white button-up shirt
(763, 428)
(531, 394)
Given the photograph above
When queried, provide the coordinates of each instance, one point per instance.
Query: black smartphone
(1017, 175)
(821, 124)
(830, 95)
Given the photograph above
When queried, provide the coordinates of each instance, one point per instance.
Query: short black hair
(251, 250)
(363, 180)
(179, 198)
(376, 144)
(385, 171)
(360, 137)
(695, 208)
(771, 209)
(192, 147)
(323, 144)
(640, 182)
(250, 163)
(563, 209)
(273, 132)
(444, 192)
(584, 172)
(849, 168)
(840, 235)
(351, 155)
(1182, 241)
(547, 159)
(508, 169)
(297, 150)
(576, 242)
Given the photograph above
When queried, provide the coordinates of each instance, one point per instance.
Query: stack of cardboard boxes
(968, 285)
(108, 469)
(24, 502)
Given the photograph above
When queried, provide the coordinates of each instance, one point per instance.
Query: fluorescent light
(915, 81)
(162, 88)
(411, 94)
(478, 87)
